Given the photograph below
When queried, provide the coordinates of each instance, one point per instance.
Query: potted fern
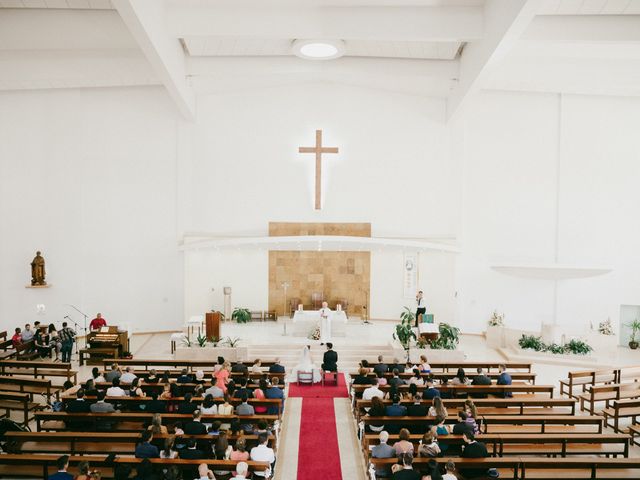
(241, 315)
(404, 330)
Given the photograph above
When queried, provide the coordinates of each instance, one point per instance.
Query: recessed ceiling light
(318, 49)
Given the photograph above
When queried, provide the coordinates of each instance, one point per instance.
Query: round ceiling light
(318, 49)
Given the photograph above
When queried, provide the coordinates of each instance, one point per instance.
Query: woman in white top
(417, 378)
(257, 366)
(424, 364)
(408, 368)
(168, 451)
(437, 409)
(225, 409)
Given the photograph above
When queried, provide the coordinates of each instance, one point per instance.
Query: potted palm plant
(635, 328)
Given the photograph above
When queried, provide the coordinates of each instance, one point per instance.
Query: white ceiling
(590, 7)
(66, 4)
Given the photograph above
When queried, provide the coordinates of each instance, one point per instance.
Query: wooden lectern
(212, 324)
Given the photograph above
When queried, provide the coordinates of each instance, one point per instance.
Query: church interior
(319, 239)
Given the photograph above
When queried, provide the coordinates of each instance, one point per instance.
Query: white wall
(89, 178)
(393, 170)
(520, 152)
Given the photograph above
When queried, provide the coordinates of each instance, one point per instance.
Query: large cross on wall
(318, 149)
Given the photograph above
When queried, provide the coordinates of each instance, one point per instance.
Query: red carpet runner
(319, 455)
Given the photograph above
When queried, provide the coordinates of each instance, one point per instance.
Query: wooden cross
(318, 150)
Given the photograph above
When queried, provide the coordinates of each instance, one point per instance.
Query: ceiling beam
(440, 24)
(505, 22)
(146, 20)
(584, 29)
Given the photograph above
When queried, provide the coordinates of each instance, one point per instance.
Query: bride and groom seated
(313, 373)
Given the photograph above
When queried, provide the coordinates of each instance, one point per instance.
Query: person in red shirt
(97, 323)
(17, 337)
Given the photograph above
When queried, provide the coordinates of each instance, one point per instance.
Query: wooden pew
(88, 443)
(38, 369)
(500, 444)
(32, 386)
(507, 423)
(169, 363)
(134, 421)
(173, 374)
(6, 345)
(15, 401)
(159, 387)
(472, 389)
(620, 409)
(98, 351)
(607, 393)
(452, 367)
(41, 466)
(26, 350)
(439, 376)
(496, 406)
(585, 378)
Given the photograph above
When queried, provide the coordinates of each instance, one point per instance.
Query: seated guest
(408, 367)
(396, 380)
(155, 405)
(262, 453)
(191, 452)
(239, 453)
(27, 334)
(429, 445)
(403, 445)
(187, 406)
(450, 471)
(244, 408)
(144, 471)
(262, 427)
(463, 425)
(169, 450)
(437, 408)
(424, 364)
(240, 367)
(380, 367)
(395, 366)
(404, 469)
(144, 449)
(199, 377)
(440, 429)
(79, 405)
(215, 428)
(101, 406)
(362, 378)
(372, 390)
(97, 376)
(184, 377)
(470, 408)
(243, 390)
(135, 390)
(480, 380)
(242, 471)
(41, 343)
(416, 379)
(128, 376)
(214, 390)
(365, 364)
(114, 390)
(259, 394)
(377, 410)
(504, 379)
(209, 407)
(395, 409)
(460, 378)
(17, 337)
(257, 366)
(431, 392)
(330, 359)
(113, 373)
(156, 426)
(204, 473)
(195, 426)
(383, 450)
(62, 474)
(97, 323)
(412, 392)
(152, 377)
(90, 388)
(274, 392)
(381, 379)
(417, 409)
(276, 367)
(473, 449)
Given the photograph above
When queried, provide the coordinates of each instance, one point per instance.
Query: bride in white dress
(305, 366)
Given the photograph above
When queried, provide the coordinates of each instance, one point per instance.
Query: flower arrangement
(497, 319)
(605, 328)
(315, 333)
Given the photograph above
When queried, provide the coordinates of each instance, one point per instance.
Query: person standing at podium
(97, 323)
(325, 323)
(421, 308)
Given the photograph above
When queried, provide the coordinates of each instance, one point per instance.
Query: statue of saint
(37, 270)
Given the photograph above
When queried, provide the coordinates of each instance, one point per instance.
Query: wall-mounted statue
(37, 270)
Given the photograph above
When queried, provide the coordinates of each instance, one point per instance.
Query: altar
(305, 320)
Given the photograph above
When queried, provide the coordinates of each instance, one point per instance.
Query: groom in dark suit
(330, 359)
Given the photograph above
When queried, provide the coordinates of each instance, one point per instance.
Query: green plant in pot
(635, 328)
(241, 315)
(448, 338)
(404, 332)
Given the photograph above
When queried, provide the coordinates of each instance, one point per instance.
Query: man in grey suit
(102, 407)
(244, 408)
(382, 450)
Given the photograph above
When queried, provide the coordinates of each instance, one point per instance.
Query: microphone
(67, 316)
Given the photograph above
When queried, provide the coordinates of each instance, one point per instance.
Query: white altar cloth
(304, 321)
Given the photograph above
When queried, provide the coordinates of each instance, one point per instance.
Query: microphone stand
(78, 326)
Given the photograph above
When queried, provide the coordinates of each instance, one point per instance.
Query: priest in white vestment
(325, 323)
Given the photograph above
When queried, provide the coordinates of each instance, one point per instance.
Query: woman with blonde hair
(222, 376)
(471, 409)
(156, 426)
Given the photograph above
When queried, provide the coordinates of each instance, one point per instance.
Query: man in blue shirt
(395, 409)
(274, 391)
(63, 464)
(145, 449)
(504, 379)
(431, 392)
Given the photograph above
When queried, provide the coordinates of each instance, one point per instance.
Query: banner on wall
(410, 274)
